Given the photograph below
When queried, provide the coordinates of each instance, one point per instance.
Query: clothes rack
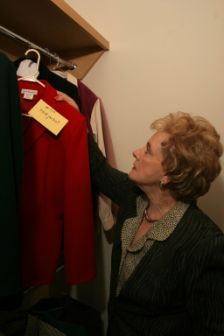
(46, 52)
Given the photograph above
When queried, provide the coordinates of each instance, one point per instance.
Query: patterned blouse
(132, 253)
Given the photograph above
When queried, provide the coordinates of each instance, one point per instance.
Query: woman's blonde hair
(191, 154)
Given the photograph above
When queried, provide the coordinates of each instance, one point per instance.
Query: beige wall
(165, 55)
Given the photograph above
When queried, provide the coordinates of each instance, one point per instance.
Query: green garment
(10, 177)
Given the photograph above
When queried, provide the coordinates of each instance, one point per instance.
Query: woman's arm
(110, 181)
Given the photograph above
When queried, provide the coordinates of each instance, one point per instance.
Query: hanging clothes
(91, 107)
(10, 177)
(25, 67)
(56, 200)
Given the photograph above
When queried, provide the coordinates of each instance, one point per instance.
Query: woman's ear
(164, 180)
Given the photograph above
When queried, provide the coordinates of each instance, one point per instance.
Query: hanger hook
(38, 57)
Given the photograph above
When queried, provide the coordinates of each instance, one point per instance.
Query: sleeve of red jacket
(79, 247)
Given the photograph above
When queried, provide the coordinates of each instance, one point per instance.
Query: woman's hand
(61, 96)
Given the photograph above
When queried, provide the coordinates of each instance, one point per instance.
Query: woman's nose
(136, 153)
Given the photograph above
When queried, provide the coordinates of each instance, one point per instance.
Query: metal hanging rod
(35, 46)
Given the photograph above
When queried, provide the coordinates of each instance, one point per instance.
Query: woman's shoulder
(195, 231)
(204, 236)
(198, 219)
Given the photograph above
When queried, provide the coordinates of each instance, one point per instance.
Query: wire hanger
(33, 77)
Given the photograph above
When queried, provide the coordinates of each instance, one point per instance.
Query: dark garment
(87, 99)
(13, 322)
(69, 316)
(10, 177)
(178, 286)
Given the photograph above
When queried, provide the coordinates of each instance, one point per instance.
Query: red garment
(56, 201)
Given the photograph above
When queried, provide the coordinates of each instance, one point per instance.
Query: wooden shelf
(54, 25)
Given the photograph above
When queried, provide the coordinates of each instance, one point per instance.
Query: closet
(55, 27)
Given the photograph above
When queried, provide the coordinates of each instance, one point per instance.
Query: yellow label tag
(48, 117)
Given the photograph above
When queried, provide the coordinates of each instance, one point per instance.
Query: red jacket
(56, 201)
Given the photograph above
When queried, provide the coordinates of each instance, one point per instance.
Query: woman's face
(147, 168)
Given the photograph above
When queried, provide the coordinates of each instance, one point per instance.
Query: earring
(161, 185)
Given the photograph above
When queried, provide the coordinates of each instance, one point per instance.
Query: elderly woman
(167, 276)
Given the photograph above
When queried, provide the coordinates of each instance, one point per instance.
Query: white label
(28, 93)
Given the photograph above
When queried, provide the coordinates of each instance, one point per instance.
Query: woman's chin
(131, 175)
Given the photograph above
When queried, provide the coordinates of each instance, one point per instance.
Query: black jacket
(177, 289)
